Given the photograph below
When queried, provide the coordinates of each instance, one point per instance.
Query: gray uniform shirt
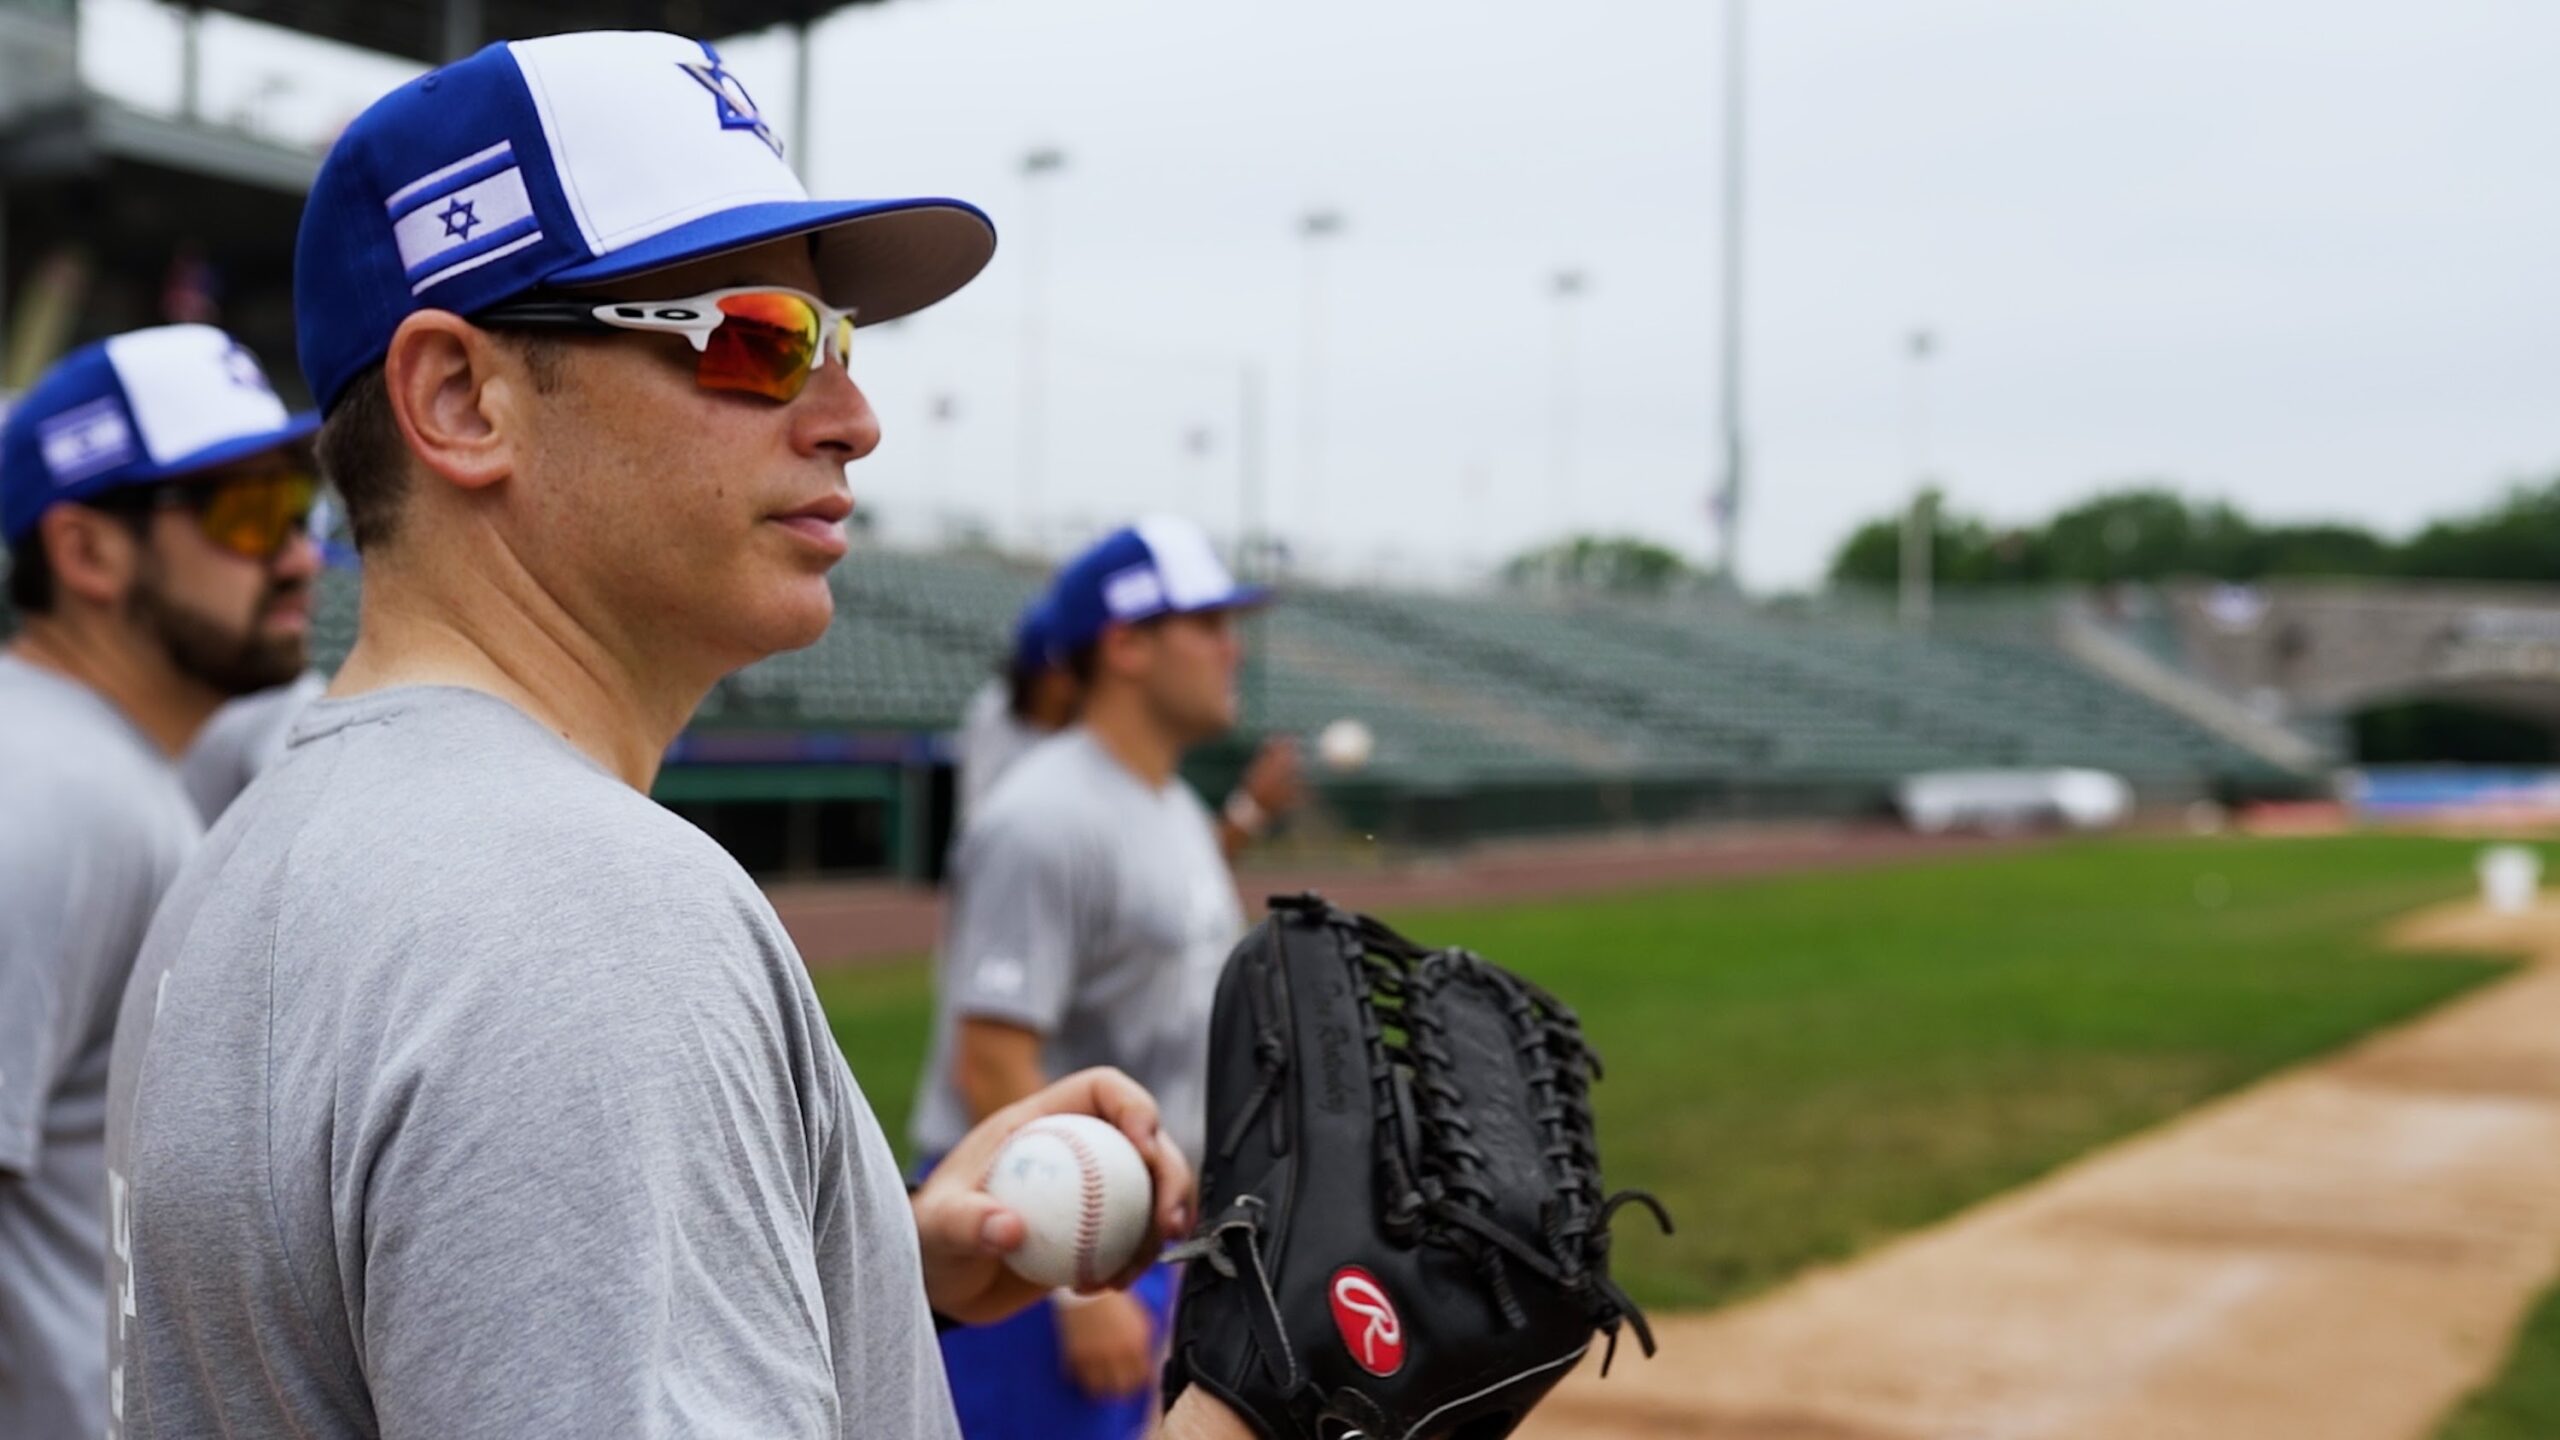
(93, 827)
(463, 1091)
(1097, 910)
(991, 740)
(242, 739)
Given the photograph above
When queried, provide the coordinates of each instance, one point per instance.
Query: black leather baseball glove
(1403, 1230)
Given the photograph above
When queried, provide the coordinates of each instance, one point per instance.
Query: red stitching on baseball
(1089, 1215)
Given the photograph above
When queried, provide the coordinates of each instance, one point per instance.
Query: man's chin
(795, 619)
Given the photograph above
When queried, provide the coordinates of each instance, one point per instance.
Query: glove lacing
(1446, 1181)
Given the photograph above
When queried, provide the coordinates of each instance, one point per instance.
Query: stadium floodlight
(1566, 286)
(1726, 506)
(1920, 523)
(1038, 161)
(1314, 227)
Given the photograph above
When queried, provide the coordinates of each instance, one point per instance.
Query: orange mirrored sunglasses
(759, 340)
(252, 516)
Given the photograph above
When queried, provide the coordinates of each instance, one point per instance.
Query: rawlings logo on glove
(1367, 1320)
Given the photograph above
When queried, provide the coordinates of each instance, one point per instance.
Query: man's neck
(503, 635)
(1130, 735)
(123, 670)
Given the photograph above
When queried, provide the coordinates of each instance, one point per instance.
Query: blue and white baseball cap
(137, 409)
(1160, 566)
(575, 159)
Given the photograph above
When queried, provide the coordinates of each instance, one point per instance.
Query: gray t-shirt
(1096, 910)
(463, 1091)
(241, 740)
(93, 827)
(991, 740)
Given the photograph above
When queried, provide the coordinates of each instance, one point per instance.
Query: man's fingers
(1101, 1091)
(970, 1221)
(1174, 1188)
(1001, 1232)
(1124, 1102)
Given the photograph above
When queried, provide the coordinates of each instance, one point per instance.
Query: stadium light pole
(1920, 523)
(1251, 541)
(800, 101)
(1567, 287)
(937, 454)
(463, 26)
(191, 63)
(1250, 521)
(1314, 229)
(1196, 443)
(1042, 161)
(1726, 502)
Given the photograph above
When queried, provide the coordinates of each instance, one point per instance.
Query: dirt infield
(2340, 1252)
(839, 923)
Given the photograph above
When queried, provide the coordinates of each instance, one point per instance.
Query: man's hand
(1276, 779)
(965, 1234)
(1109, 1344)
(1199, 1415)
(1273, 785)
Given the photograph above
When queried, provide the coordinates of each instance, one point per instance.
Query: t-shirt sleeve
(33, 903)
(1015, 920)
(587, 1186)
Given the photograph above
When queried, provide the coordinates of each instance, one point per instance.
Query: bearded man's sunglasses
(253, 516)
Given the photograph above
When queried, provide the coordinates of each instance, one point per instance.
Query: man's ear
(94, 555)
(1123, 650)
(459, 397)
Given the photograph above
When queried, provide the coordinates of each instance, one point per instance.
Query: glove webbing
(1451, 1188)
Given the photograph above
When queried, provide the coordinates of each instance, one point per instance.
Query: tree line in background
(2152, 533)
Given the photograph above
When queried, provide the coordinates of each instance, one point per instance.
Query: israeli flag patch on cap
(85, 440)
(461, 217)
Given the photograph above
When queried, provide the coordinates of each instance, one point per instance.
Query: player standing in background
(1034, 698)
(1091, 911)
(461, 1090)
(1038, 695)
(152, 496)
(242, 739)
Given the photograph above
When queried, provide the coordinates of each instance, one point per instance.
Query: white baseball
(1345, 745)
(1084, 1196)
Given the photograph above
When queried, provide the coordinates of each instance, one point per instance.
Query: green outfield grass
(1804, 1066)
(2523, 1403)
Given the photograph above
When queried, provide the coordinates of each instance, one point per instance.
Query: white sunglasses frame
(696, 316)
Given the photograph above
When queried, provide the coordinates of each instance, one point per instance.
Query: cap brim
(881, 259)
(293, 431)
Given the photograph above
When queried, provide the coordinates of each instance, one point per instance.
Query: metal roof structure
(439, 30)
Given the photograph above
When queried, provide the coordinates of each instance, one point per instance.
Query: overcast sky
(2301, 255)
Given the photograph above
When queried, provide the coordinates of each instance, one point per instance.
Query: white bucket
(2510, 876)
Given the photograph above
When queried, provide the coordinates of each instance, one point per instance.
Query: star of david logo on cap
(459, 218)
(241, 368)
(737, 108)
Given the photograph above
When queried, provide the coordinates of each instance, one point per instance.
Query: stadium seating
(1503, 687)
